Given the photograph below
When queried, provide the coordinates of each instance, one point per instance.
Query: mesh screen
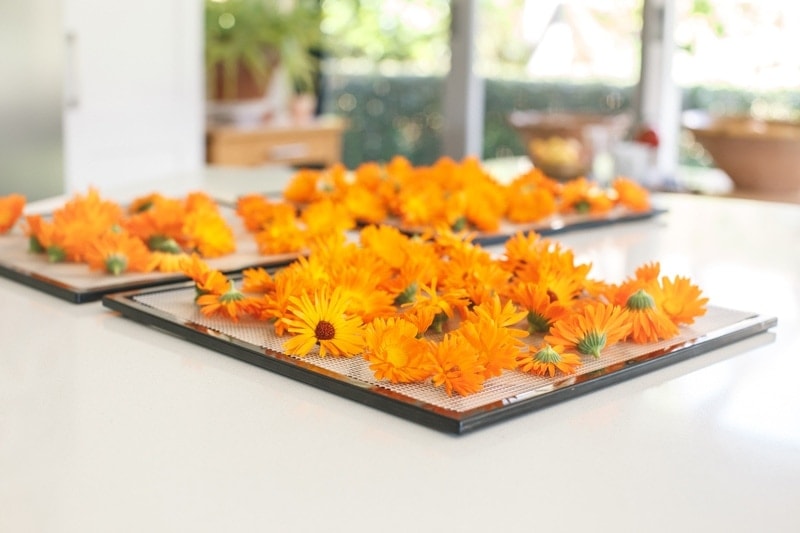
(511, 384)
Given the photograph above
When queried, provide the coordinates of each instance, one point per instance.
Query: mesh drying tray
(172, 309)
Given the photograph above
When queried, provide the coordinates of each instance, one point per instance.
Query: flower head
(631, 194)
(590, 329)
(323, 322)
(456, 366)
(546, 359)
(648, 322)
(394, 351)
(681, 300)
(230, 303)
(11, 207)
(118, 252)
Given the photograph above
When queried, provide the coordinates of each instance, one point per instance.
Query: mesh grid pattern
(505, 388)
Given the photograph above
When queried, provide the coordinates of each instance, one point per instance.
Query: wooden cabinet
(317, 143)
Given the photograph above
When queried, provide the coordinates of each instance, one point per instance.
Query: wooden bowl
(562, 144)
(758, 155)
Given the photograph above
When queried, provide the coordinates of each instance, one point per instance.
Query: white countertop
(108, 425)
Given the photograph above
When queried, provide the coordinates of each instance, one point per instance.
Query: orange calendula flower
(631, 194)
(590, 329)
(230, 303)
(194, 268)
(118, 252)
(583, 196)
(544, 360)
(530, 204)
(303, 187)
(276, 306)
(323, 322)
(168, 262)
(257, 280)
(542, 309)
(364, 205)
(681, 300)
(11, 207)
(441, 304)
(326, 217)
(648, 323)
(208, 233)
(281, 237)
(395, 353)
(496, 346)
(456, 366)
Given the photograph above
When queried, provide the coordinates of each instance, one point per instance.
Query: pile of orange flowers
(455, 195)
(442, 309)
(154, 233)
(446, 196)
(11, 207)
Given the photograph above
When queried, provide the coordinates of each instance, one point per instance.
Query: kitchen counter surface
(108, 425)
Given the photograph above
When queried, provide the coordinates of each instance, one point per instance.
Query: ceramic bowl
(758, 155)
(563, 144)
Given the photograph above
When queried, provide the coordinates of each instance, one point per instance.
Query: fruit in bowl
(562, 144)
(757, 154)
(561, 156)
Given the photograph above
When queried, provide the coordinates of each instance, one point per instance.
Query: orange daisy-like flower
(230, 303)
(257, 280)
(681, 300)
(481, 279)
(583, 196)
(118, 252)
(258, 211)
(546, 359)
(493, 336)
(522, 249)
(303, 187)
(395, 353)
(168, 262)
(211, 282)
(388, 243)
(648, 322)
(456, 366)
(91, 208)
(364, 205)
(45, 237)
(281, 238)
(364, 297)
(631, 194)
(542, 309)
(325, 217)
(194, 268)
(208, 233)
(276, 303)
(530, 204)
(157, 219)
(11, 207)
(486, 204)
(323, 322)
(441, 304)
(590, 329)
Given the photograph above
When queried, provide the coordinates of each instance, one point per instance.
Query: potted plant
(253, 45)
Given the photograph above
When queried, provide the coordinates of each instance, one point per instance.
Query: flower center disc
(324, 330)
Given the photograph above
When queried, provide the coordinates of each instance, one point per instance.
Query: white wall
(134, 91)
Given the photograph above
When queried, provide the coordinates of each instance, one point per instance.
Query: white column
(658, 100)
(463, 98)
